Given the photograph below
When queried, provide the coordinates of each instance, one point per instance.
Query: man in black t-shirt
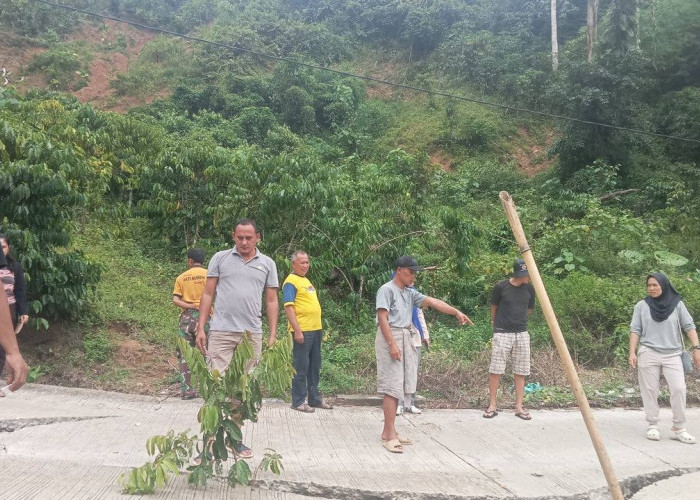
(512, 301)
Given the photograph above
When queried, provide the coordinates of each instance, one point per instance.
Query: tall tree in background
(624, 26)
(591, 26)
(555, 44)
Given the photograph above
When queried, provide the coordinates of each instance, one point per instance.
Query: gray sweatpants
(396, 378)
(650, 364)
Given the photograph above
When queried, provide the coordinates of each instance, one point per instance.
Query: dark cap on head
(520, 269)
(407, 261)
(196, 254)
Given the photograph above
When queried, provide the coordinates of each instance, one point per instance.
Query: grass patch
(97, 345)
(134, 289)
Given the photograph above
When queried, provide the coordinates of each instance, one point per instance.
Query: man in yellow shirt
(186, 294)
(303, 312)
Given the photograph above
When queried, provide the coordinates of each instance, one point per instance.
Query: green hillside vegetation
(101, 207)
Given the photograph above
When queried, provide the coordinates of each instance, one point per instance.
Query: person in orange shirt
(186, 295)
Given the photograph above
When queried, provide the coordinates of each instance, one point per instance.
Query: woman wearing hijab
(657, 325)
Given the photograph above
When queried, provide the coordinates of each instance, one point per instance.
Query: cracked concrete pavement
(67, 443)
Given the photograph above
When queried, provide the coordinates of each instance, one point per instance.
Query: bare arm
(445, 308)
(383, 320)
(272, 308)
(17, 368)
(634, 340)
(177, 300)
(292, 318)
(205, 303)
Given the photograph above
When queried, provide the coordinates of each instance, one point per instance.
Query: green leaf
(239, 473)
(233, 431)
(631, 256)
(219, 446)
(670, 259)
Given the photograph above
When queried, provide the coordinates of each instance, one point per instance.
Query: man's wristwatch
(696, 347)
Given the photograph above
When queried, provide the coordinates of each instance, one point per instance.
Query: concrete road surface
(65, 443)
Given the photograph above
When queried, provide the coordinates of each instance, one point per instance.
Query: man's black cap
(520, 269)
(409, 262)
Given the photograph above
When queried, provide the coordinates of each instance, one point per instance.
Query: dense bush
(594, 313)
(41, 188)
(63, 67)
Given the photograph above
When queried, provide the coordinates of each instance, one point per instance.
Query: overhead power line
(366, 78)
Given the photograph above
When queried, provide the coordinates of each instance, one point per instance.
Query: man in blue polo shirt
(239, 278)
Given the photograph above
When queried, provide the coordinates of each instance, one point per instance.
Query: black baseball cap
(409, 262)
(520, 269)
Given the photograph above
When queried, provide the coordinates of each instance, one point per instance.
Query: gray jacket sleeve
(636, 324)
(685, 318)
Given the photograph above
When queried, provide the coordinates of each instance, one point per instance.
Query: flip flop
(523, 415)
(404, 440)
(242, 452)
(303, 408)
(394, 446)
(490, 414)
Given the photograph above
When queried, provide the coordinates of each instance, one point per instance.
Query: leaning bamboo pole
(560, 343)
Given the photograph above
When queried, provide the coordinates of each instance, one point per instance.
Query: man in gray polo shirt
(394, 347)
(238, 277)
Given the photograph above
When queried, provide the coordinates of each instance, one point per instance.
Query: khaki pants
(649, 366)
(221, 346)
(396, 378)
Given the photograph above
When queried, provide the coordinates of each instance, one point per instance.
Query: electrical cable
(367, 78)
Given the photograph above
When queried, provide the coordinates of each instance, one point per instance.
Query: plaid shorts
(505, 345)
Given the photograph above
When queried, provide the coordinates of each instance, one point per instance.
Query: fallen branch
(617, 193)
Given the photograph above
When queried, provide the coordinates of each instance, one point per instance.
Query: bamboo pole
(560, 343)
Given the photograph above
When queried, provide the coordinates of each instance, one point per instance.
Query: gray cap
(520, 269)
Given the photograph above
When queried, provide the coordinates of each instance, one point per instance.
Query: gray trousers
(650, 364)
(396, 377)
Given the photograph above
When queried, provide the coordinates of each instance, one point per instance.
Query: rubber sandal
(393, 446)
(404, 440)
(189, 395)
(303, 408)
(490, 414)
(683, 436)
(653, 433)
(523, 415)
(242, 452)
